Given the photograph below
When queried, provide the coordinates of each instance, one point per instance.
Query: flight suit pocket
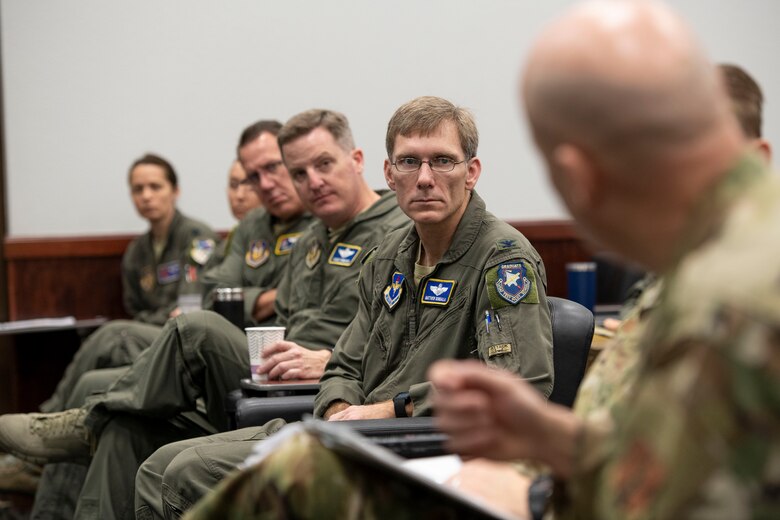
(497, 343)
(380, 341)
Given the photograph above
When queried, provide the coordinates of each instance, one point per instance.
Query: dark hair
(254, 130)
(302, 124)
(150, 158)
(746, 98)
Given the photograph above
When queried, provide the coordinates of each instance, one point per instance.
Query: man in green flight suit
(261, 244)
(424, 294)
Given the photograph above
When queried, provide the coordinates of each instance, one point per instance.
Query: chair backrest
(572, 332)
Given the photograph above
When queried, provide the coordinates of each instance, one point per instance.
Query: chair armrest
(394, 426)
(256, 411)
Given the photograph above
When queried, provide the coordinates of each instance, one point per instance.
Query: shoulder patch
(511, 283)
(201, 250)
(344, 255)
(313, 255)
(437, 292)
(285, 243)
(393, 292)
(257, 254)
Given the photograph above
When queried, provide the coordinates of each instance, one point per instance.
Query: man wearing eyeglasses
(460, 284)
(262, 243)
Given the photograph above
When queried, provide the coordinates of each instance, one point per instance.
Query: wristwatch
(539, 495)
(399, 403)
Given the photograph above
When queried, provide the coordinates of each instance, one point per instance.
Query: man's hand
(382, 410)
(264, 305)
(288, 360)
(497, 483)
(175, 312)
(491, 413)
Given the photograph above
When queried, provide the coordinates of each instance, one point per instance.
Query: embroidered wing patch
(344, 254)
(437, 292)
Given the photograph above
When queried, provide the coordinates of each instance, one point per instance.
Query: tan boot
(18, 476)
(42, 438)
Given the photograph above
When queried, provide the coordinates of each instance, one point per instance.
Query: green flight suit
(202, 356)
(150, 286)
(259, 248)
(375, 343)
(400, 329)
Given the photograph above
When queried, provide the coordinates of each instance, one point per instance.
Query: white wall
(89, 85)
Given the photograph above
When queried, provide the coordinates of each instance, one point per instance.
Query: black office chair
(572, 330)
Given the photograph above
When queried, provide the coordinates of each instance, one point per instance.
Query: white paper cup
(257, 339)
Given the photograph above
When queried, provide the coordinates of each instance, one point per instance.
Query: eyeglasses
(246, 182)
(271, 169)
(442, 164)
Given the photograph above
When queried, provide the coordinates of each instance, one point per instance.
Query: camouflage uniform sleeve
(519, 337)
(698, 433)
(343, 377)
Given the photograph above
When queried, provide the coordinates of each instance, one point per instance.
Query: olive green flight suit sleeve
(343, 378)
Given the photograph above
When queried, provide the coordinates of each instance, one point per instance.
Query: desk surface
(49, 325)
(289, 385)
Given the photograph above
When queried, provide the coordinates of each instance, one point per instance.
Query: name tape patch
(168, 273)
(344, 255)
(285, 243)
(437, 292)
(503, 348)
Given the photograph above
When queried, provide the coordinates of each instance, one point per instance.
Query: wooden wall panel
(80, 276)
(558, 243)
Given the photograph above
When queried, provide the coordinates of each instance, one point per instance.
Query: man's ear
(389, 175)
(473, 172)
(764, 149)
(578, 177)
(357, 158)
